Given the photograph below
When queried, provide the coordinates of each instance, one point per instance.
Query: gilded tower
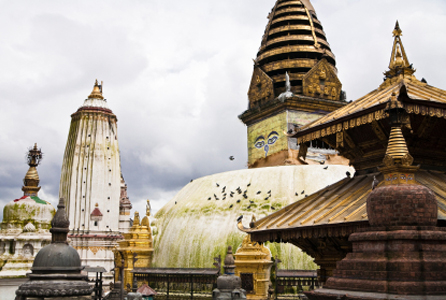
(91, 181)
(294, 82)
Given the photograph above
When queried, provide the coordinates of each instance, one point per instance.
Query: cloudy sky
(176, 74)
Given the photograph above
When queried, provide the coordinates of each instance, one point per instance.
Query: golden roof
(294, 41)
(399, 75)
(342, 202)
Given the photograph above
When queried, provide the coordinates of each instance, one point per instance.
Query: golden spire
(398, 161)
(97, 91)
(397, 147)
(31, 180)
(398, 57)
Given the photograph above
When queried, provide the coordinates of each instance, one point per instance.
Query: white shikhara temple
(91, 182)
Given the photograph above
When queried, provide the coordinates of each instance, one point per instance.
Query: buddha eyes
(259, 144)
(272, 140)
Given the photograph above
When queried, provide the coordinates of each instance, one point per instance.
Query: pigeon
(249, 184)
(306, 196)
(258, 192)
(269, 192)
(273, 208)
(224, 188)
(266, 198)
(191, 180)
(374, 183)
(245, 191)
(423, 80)
(175, 203)
(244, 196)
(231, 157)
(249, 206)
(230, 206)
(250, 201)
(231, 195)
(348, 174)
(238, 201)
(217, 184)
(223, 198)
(297, 194)
(302, 192)
(239, 218)
(326, 168)
(215, 196)
(209, 198)
(322, 162)
(217, 199)
(224, 194)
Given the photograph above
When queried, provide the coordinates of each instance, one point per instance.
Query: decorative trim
(342, 126)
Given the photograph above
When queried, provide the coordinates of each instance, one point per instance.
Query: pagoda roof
(411, 89)
(338, 210)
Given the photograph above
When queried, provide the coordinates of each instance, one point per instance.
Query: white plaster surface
(190, 229)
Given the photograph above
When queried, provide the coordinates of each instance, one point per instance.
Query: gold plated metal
(97, 91)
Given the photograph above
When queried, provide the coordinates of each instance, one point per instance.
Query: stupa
(92, 184)
(26, 223)
(56, 271)
(294, 55)
(322, 223)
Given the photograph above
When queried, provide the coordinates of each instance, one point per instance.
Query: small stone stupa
(229, 286)
(56, 271)
(402, 254)
(26, 223)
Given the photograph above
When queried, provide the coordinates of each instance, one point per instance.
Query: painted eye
(272, 140)
(259, 144)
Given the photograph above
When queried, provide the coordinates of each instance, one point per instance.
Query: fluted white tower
(90, 181)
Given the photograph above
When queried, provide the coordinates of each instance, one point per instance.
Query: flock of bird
(237, 193)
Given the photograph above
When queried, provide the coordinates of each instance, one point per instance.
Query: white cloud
(176, 74)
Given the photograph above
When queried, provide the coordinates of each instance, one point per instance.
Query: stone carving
(28, 250)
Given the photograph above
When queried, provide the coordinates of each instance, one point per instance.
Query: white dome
(191, 229)
(18, 213)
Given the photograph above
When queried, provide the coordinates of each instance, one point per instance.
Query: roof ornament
(397, 161)
(97, 91)
(399, 66)
(31, 180)
(287, 94)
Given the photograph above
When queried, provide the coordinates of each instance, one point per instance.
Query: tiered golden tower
(294, 82)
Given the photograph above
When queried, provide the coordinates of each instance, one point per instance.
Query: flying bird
(238, 201)
(326, 168)
(258, 192)
(302, 192)
(231, 157)
(230, 206)
(239, 218)
(217, 184)
(250, 201)
(348, 174)
(249, 184)
(273, 208)
(374, 183)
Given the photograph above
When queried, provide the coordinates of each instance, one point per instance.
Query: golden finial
(398, 58)
(31, 180)
(136, 221)
(398, 161)
(397, 31)
(97, 91)
(148, 208)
